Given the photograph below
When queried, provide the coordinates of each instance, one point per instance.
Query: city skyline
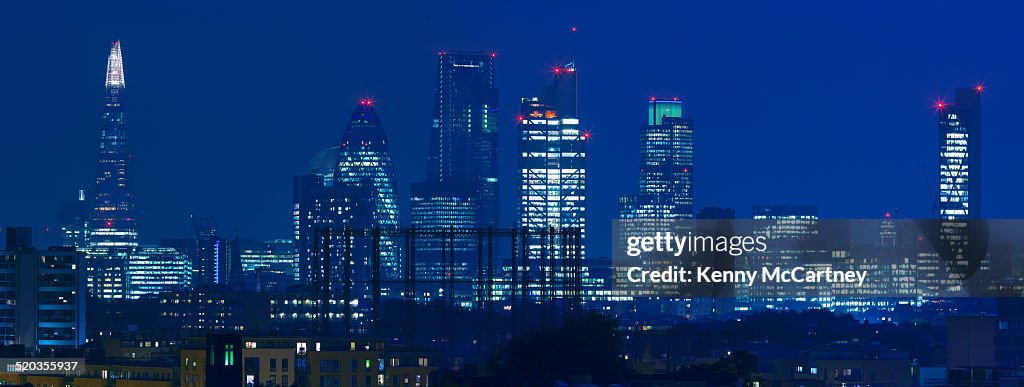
(264, 218)
(532, 193)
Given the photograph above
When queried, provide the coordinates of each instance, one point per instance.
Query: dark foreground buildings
(42, 297)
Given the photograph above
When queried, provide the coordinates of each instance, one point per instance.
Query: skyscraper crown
(115, 68)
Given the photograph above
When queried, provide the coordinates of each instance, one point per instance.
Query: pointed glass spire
(115, 68)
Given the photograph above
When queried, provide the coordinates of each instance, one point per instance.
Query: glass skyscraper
(959, 196)
(960, 156)
(364, 161)
(666, 165)
(461, 189)
(112, 225)
(113, 213)
(359, 193)
(552, 164)
(318, 205)
(464, 135)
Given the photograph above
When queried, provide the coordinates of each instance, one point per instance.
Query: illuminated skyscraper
(960, 156)
(464, 135)
(112, 225)
(461, 189)
(666, 165)
(113, 213)
(959, 193)
(364, 161)
(209, 248)
(552, 163)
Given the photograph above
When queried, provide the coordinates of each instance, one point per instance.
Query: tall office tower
(461, 188)
(464, 136)
(112, 225)
(316, 203)
(74, 222)
(959, 194)
(552, 165)
(42, 295)
(365, 162)
(960, 156)
(113, 213)
(209, 248)
(666, 165)
(153, 270)
(227, 262)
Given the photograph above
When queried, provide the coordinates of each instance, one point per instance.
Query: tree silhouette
(581, 347)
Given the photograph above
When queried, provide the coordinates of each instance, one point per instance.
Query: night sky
(814, 103)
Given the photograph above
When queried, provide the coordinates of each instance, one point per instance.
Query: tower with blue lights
(666, 165)
(364, 162)
(113, 214)
(460, 191)
(112, 226)
(552, 165)
(960, 156)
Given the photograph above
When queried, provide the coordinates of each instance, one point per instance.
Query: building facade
(960, 156)
(464, 134)
(112, 225)
(553, 175)
(153, 270)
(364, 162)
(460, 192)
(42, 295)
(666, 165)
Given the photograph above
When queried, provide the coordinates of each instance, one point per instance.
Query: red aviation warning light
(979, 88)
(586, 135)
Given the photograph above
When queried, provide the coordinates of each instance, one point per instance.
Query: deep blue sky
(819, 102)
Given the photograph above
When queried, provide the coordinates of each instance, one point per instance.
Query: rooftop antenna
(576, 75)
